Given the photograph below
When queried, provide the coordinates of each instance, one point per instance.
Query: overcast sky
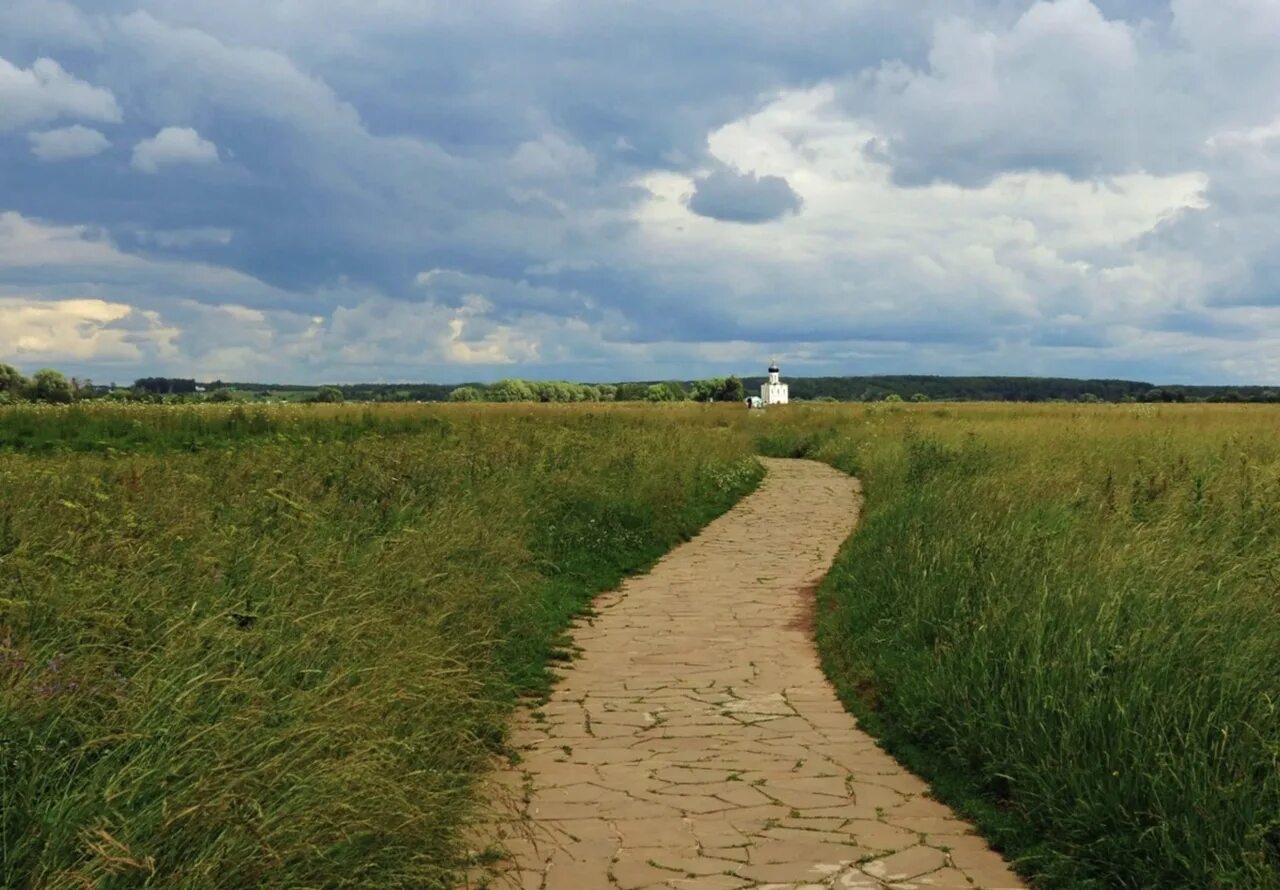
(447, 190)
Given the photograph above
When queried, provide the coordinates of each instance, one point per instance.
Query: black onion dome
(773, 368)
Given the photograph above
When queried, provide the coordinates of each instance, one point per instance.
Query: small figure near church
(774, 392)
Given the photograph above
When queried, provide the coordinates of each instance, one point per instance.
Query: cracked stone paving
(695, 743)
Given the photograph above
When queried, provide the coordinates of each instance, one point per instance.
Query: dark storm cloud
(346, 148)
(450, 143)
(743, 197)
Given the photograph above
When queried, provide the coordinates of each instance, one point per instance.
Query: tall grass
(283, 665)
(108, 428)
(1069, 616)
(275, 649)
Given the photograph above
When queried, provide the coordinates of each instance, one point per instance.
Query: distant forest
(48, 385)
(1013, 389)
(847, 389)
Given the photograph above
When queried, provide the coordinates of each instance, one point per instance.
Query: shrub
(13, 385)
(510, 390)
(466, 394)
(49, 385)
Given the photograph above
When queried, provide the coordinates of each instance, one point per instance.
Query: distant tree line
(164, 386)
(877, 388)
(49, 385)
(893, 388)
(719, 389)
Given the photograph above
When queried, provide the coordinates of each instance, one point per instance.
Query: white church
(775, 392)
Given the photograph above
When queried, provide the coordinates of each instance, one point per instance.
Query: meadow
(1068, 617)
(282, 661)
(276, 647)
(110, 428)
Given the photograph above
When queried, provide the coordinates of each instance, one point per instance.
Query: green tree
(221, 395)
(731, 390)
(13, 386)
(558, 391)
(708, 390)
(716, 389)
(919, 397)
(510, 389)
(49, 385)
(466, 394)
(330, 394)
(658, 392)
(893, 397)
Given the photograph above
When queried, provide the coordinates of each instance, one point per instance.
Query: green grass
(1069, 618)
(284, 665)
(109, 428)
(275, 647)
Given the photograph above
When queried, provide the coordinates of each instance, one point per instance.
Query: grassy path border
(954, 787)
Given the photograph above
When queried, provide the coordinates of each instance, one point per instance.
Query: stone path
(694, 743)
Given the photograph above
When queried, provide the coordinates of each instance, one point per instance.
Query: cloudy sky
(447, 190)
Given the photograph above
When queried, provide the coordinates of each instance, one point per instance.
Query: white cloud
(377, 329)
(877, 260)
(37, 331)
(172, 146)
(195, 318)
(68, 143)
(26, 243)
(1260, 144)
(1055, 90)
(46, 92)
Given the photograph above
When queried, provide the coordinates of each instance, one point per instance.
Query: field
(275, 645)
(1069, 616)
(280, 662)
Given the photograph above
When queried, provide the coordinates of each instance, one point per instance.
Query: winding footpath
(694, 742)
